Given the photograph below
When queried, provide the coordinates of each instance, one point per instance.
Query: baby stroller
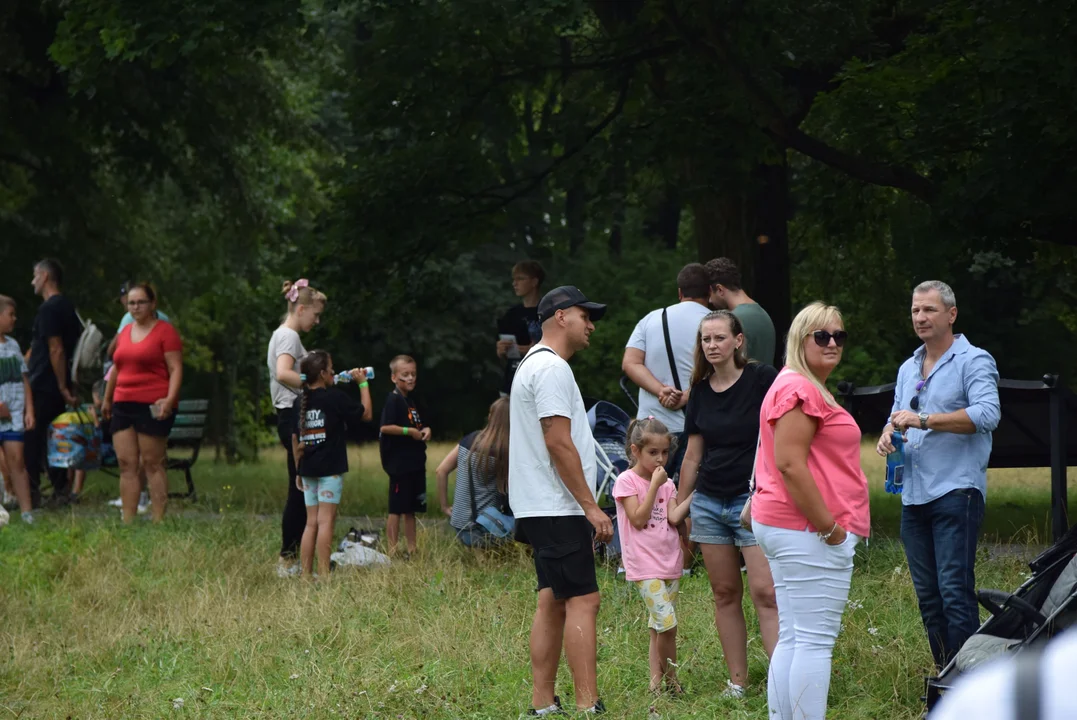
(1044, 605)
(609, 426)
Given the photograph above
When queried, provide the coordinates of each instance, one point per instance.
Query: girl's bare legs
(666, 645)
(654, 660)
(16, 473)
(327, 518)
(152, 450)
(310, 538)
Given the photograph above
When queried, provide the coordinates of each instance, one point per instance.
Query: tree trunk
(772, 286)
(575, 215)
(665, 222)
(751, 229)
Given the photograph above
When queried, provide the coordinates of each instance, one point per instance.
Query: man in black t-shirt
(56, 332)
(521, 321)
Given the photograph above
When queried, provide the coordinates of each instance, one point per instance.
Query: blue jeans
(940, 545)
(477, 536)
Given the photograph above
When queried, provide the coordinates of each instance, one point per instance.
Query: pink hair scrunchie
(293, 292)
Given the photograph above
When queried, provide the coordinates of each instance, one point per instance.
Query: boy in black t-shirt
(403, 453)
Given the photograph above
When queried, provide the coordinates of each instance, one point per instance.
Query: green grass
(98, 620)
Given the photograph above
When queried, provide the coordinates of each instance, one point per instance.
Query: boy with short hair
(16, 407)
(403, 441)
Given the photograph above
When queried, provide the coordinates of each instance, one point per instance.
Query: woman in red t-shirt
(141, 397)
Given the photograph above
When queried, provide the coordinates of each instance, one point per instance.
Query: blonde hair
(815, 316)
(399, 360)
(702, 368)
(6, 302)
(306, 295)
(491, 447)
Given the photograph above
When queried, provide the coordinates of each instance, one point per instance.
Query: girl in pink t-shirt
(647, 517)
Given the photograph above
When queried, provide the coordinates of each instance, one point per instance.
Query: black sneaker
(554, 709)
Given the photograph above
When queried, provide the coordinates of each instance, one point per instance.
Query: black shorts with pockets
(564, 553)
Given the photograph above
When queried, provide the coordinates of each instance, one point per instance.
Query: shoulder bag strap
(755, 459)
(669, 350)
(532, 354)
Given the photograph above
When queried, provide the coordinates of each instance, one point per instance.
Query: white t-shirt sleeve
(638, 339)
(554, 391)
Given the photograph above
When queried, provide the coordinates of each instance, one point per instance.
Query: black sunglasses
(822, 338)
(915, 402)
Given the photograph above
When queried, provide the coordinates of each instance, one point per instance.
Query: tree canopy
(403, 154)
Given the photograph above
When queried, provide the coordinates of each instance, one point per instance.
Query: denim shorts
(716, 521)
(11, 436)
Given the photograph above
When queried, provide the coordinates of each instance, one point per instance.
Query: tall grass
(99, 620)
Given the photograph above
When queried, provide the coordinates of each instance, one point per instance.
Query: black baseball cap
(565, 297)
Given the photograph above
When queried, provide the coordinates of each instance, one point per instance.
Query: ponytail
(311, 367)
(304, 390)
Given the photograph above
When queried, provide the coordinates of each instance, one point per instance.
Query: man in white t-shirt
(646, 362)
(552, 474)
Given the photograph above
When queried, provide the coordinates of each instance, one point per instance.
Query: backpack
(87, 363)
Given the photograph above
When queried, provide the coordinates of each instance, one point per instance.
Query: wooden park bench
(186, 436)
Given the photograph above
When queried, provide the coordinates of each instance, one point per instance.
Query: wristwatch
(923, 421)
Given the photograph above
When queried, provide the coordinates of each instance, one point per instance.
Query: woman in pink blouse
(809, 510)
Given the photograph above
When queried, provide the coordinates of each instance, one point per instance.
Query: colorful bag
(74, 442)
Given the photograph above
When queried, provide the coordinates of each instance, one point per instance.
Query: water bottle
(895, 466)
(346, 376)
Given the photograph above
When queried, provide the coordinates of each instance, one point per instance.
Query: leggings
(811, 584)
(294, 519)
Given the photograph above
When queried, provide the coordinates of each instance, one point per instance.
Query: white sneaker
(287, 570)
(732, 690)
(118, 502)
(144, 503)
(9, 499)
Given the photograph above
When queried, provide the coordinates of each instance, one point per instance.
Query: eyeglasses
(915, 402)
(823, 337)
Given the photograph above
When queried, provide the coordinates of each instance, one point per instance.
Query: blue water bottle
(346, 376)
(895, 466)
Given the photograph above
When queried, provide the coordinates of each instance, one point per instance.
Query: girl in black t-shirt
(320, 446)
(722, 424)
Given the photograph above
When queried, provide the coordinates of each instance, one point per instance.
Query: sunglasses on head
(823, 337)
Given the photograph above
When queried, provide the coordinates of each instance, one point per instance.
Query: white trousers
(811, 584)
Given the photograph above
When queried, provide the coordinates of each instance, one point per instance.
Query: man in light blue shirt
(946, 405)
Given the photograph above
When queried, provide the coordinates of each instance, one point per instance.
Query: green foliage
(403, 155)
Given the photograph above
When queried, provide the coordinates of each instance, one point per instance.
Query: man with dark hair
(56, 332)
(552, 476)
(519, 329)
(727, 293)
